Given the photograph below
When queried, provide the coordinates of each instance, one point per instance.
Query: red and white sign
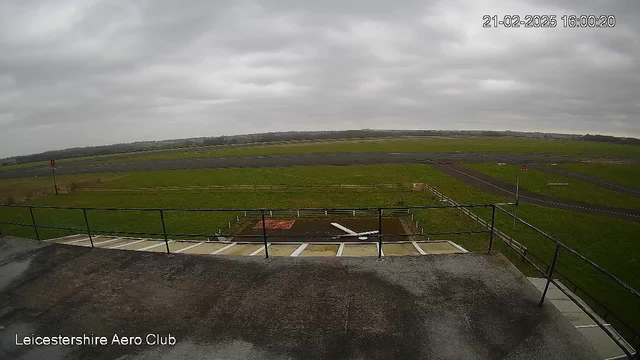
(52, 163)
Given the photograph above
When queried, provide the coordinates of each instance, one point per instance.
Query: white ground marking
(620, 357)
(590, 326)
(222, 249)
(348, 231)
(418, 248)
(188, 247)
(126, 244)
(353, 233)
(76, 241)
(259, 250)
(155, 245)
(64, 237)
(106, 241)
(340, 249)
(458, 247)
(299, 250)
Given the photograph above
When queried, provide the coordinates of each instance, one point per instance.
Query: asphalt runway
(501, 188)
(86, 167)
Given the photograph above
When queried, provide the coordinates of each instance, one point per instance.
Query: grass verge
(628, 174)
(609, 242)
(576, 190)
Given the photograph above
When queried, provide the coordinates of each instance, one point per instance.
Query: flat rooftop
(455, 306)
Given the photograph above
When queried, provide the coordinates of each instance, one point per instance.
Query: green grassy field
(628, 174)
(299, 175)
(22, 189)
(609, 242)
(536, 181)
(385, 145)
(438, 145)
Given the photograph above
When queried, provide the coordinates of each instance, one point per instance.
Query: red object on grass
(276, 224)
(525, 169)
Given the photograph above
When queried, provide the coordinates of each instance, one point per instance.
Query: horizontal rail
(253, 209)
(577, 254)
(545, 273)
(243, 187)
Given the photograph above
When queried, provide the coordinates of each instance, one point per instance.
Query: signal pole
(52, 164)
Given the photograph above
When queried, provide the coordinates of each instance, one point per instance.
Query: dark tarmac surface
(501, 188)
(84, 167)
(304, 229)
(468, 306)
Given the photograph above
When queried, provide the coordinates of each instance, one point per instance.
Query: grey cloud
(87, 73)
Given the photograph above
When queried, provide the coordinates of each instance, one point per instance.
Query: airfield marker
(189, 247)
(107, 241)
(418, 248)
(299, 250)
(222, 249)
(258, 251)
(154, 246)
(126, 244)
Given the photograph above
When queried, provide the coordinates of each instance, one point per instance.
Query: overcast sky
(77, 73)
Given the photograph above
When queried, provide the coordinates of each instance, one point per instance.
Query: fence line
(550, 269)
(379, 212)
(245, 187)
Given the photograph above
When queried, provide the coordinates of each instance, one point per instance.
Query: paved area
(290, 248)
(471, 306)
(83, 167)
(501, 188)
(599, 339)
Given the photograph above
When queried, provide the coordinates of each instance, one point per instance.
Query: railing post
(33, 220)
(553, 266)
(86, 221)
(379, 233)
(164, 231)
(264, 235)
(493, 226)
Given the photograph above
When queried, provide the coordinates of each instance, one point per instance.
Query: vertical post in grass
(553, 266)
(515, 211)
(55, 184)
(33, 220)
(86, 221)
(493, 225)
(164, 231)
(264, 235)
(379, 233)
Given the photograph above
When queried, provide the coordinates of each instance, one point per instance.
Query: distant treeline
(612, 139)
(288, 136)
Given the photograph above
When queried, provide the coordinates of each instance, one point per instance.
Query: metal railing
(378, 212)
(550, 271)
